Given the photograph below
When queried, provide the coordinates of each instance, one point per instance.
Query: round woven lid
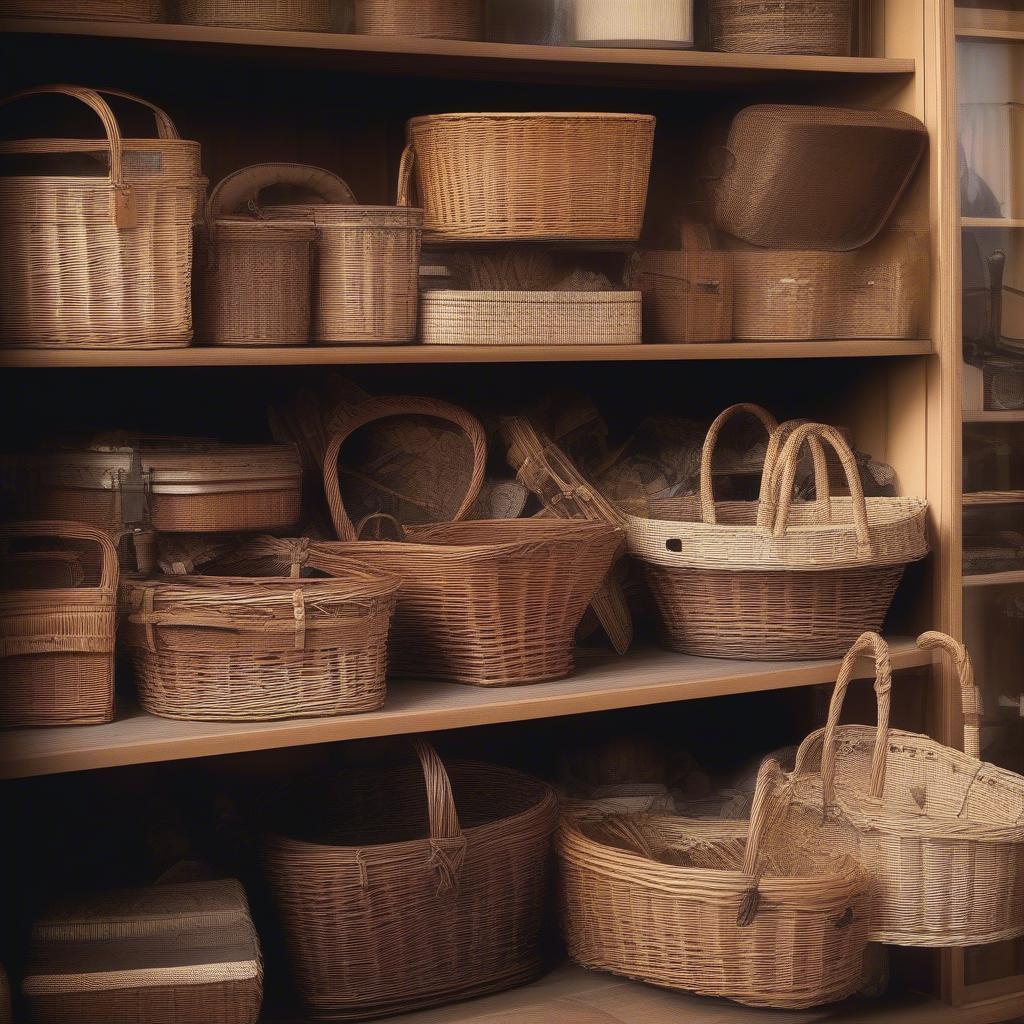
(247, 229)
(349, 216)
(183, 462)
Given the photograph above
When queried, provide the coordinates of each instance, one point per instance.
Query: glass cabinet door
(990, 83)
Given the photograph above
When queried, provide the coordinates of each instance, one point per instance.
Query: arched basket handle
(970, 695)
(64, 530)
(405, 169)
(447, 841)
(769, 804)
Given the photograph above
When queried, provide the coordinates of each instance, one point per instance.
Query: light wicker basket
(529, 318)
(500, 177)
(940, 831)
(768, 918)
(401, 889)
(84, 10)
(57, 644)
(687, 296)
(822, 27)
(100, 262)
(660, 23)
(770, 579)
(244, 648)
(279, 15)
(435, 19)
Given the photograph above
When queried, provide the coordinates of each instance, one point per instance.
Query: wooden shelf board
(315, 355)
(602, 683)
(993, 416)
(981, 498)
(989, 23)
(992, 222)
(994, 579)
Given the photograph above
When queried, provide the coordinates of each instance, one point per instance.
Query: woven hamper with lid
(822, 27)
(437, 19)
(84, 10)
(406, 888)
(282, 15)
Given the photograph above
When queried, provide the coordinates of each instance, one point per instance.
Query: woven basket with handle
(941, 832)
(403, 889)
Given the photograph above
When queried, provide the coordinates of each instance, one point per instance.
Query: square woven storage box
(171, 954)
(687, 296)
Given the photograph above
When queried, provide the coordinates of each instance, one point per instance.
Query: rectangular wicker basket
(687, 296)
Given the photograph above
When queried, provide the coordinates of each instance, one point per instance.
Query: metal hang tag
(133, 485)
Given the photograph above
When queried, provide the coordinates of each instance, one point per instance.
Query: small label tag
(124, 209)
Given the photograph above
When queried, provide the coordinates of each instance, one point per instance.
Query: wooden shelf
(601, 683)
(992, 222)
(992, 25)
(315, 355)
(993, 416)
(980, 498)
(994, 579)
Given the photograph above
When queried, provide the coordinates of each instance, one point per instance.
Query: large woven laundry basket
(102, 261)
(406, 888)
(941, 832)
(281, 15)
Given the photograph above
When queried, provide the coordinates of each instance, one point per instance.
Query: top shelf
(984, 24)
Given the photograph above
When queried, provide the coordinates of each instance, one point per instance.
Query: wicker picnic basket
(764, 916)
(769, 578)
(282, 15)
(57, 643)
(822, 27)
(104, 261)
(435, 19)
(402, 889)
(805, 177)
(941, 832)
(661, 23)
(499, 177)
(84, 10)
(167, 954)
(254, 648)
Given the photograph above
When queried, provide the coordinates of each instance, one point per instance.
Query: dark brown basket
(823, 27)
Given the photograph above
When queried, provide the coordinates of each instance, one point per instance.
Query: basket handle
(405, 169)
(447, 841)
(246, 184)
(165, 127)
(767, 807)
(707, 494)
(382, 518)
(382, 408)
(64, 530)
(970, 695)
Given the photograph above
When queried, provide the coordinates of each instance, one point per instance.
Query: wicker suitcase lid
(94, 466)
(803, 177)
(207, 467)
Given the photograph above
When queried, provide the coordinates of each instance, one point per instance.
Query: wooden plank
(601, 683)
(993, 416)
(992, 222)
(976, 498)
(994, 579)
(993, 23)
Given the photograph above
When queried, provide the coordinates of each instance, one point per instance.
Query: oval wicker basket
(687, 296)
(770, 579)
(84, 10)
(822, 27)
(940, 831)
(100, 262)
(280, 15)
(257, 648)
(498, 177)
(436, 19)
(770, 919)
(402, 889)
(658, 23)
(57, 643)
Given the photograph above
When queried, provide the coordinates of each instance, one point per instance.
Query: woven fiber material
(100, 262)
(822, 27)
(940, 831)
(84, 10)
(57, 644)
(282, 15)
(802, 177)
(530, 318)
(1004, 386)
(661, 23)
(414, 888)
(687, 296)
(438, 19)
(241, 649)
(767, 918)
(531, 176)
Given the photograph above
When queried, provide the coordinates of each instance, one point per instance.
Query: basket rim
(532, 114)
(618, 295)
(376, 582)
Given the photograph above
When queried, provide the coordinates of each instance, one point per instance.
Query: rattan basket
(280, 15)
(84, 10)
(1003, 383)
(663, 24)
(99, 262)
(772, 579)
(940, 831)
(687, 296)
(768, 919)
(436, 19)
(57, 643)
(822, 27)
(242, 648)
(404, 889)
(499, 177)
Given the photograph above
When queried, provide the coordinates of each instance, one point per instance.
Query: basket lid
(266, 232)
(348, 216)
(206, 462)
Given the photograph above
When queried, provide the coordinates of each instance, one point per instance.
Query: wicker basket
(529, 318)
(768, 920)
(435, 19)
(687, 296)
(659, 23)
(770, 579)
(401, 890)
(84, 10)
(257, 648)
(57, 645)
(803, 177)
(280, 15)
(100, 262)
(499, 177)
(822, 27)
(940, 831)
(168, 954)
(1003, 382)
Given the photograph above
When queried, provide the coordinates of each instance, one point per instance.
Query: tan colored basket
(770, 919)
(84, 10)
(659, 23)
(280, 15)
(401, 889)
(940, 831)
(553, 176)
(57, 645)
(255, 648)
(437, 19)
(822, 27)
(687, 296)
(770, 579)
(529, 318)
(100, 262)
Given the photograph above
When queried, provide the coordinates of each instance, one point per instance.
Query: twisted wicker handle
(380, 518)
(970, 695)
(768, 806)
(62, 530)
(447, 841)
(405, 168)
(381, 408)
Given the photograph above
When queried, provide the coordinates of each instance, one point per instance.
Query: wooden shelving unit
(993, 416)
(992, 222)
(994, 579)
(979, 498)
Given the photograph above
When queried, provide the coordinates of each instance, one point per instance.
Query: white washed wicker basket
(655, 23)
